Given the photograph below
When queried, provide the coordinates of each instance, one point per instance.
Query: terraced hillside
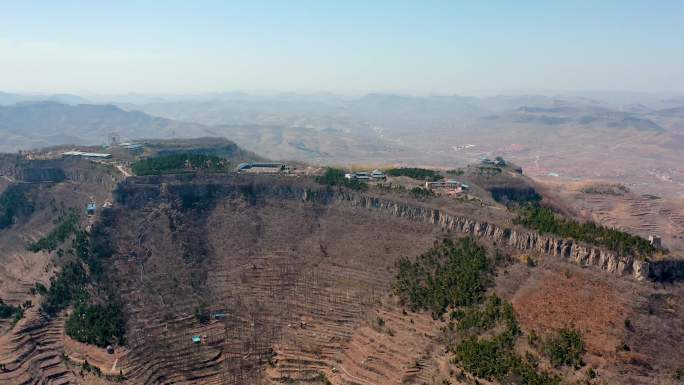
(280, 287)
(31, 348)
(294, 278)
(640, 214)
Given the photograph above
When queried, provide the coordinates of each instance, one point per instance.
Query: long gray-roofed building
(267, 168)
(82, 154)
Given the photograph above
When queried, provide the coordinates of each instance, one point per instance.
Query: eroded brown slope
(295, 279)
(31, 351)
(632, 331)
(302, 283)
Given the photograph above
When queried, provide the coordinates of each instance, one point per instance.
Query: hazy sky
(341, 46)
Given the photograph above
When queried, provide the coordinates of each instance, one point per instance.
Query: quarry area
(195, 261)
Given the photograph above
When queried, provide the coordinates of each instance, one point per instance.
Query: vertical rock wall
(138, 190)
(523, 240)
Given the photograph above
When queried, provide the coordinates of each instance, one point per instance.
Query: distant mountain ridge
(10, 98)
(587, 116)
(29, 125)
(546, 135)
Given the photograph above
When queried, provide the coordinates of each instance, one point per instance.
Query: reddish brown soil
(638, 214)
(556, 295)
(558, 299)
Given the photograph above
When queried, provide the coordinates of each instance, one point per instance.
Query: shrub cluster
(415, 173)
(64, 288)
(545, 220)
(455, 275)
(493, 310)
(169, 164)
(616, 189)
(335, 177)
(65, 227)
(515, 196)
(451, 274)
(7, 311)
(565, 348)
(494, 358)
(14, 202)
(457, 172)
(422, 192)
(99, 325)
(93, 249)
(202, 315)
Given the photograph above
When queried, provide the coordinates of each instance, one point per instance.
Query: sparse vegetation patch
(606, 189)
(94, 323)
(64, 288)
(494, 310)
(455, 275)
(14, 202)
(494, 359)
(451, 274)
(177, 163)
(7, 311)
(415, 173)
(66, 225)
(335, 177)
(422, 192)
(98, 324)
(565, 348)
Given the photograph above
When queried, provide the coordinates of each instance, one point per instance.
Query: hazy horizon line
(404, 93)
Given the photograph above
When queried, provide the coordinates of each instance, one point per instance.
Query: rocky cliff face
(523, 240)
(58, 170)
(527, 240)
(40, 174)
(134, 193)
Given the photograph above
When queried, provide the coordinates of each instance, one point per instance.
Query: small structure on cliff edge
(133, 148)
(219, 315)
(656, 241)
(447, 184)
(359, 175)
(378, 175)
(90, 208)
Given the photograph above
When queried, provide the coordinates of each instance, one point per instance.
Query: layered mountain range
(564, 137)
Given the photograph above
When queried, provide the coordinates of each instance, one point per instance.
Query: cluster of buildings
(498, 161)
(133, 148)
(366, 176)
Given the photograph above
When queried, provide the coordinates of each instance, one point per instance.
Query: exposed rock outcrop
(57, 170)
(524, 240)
(513, 237)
